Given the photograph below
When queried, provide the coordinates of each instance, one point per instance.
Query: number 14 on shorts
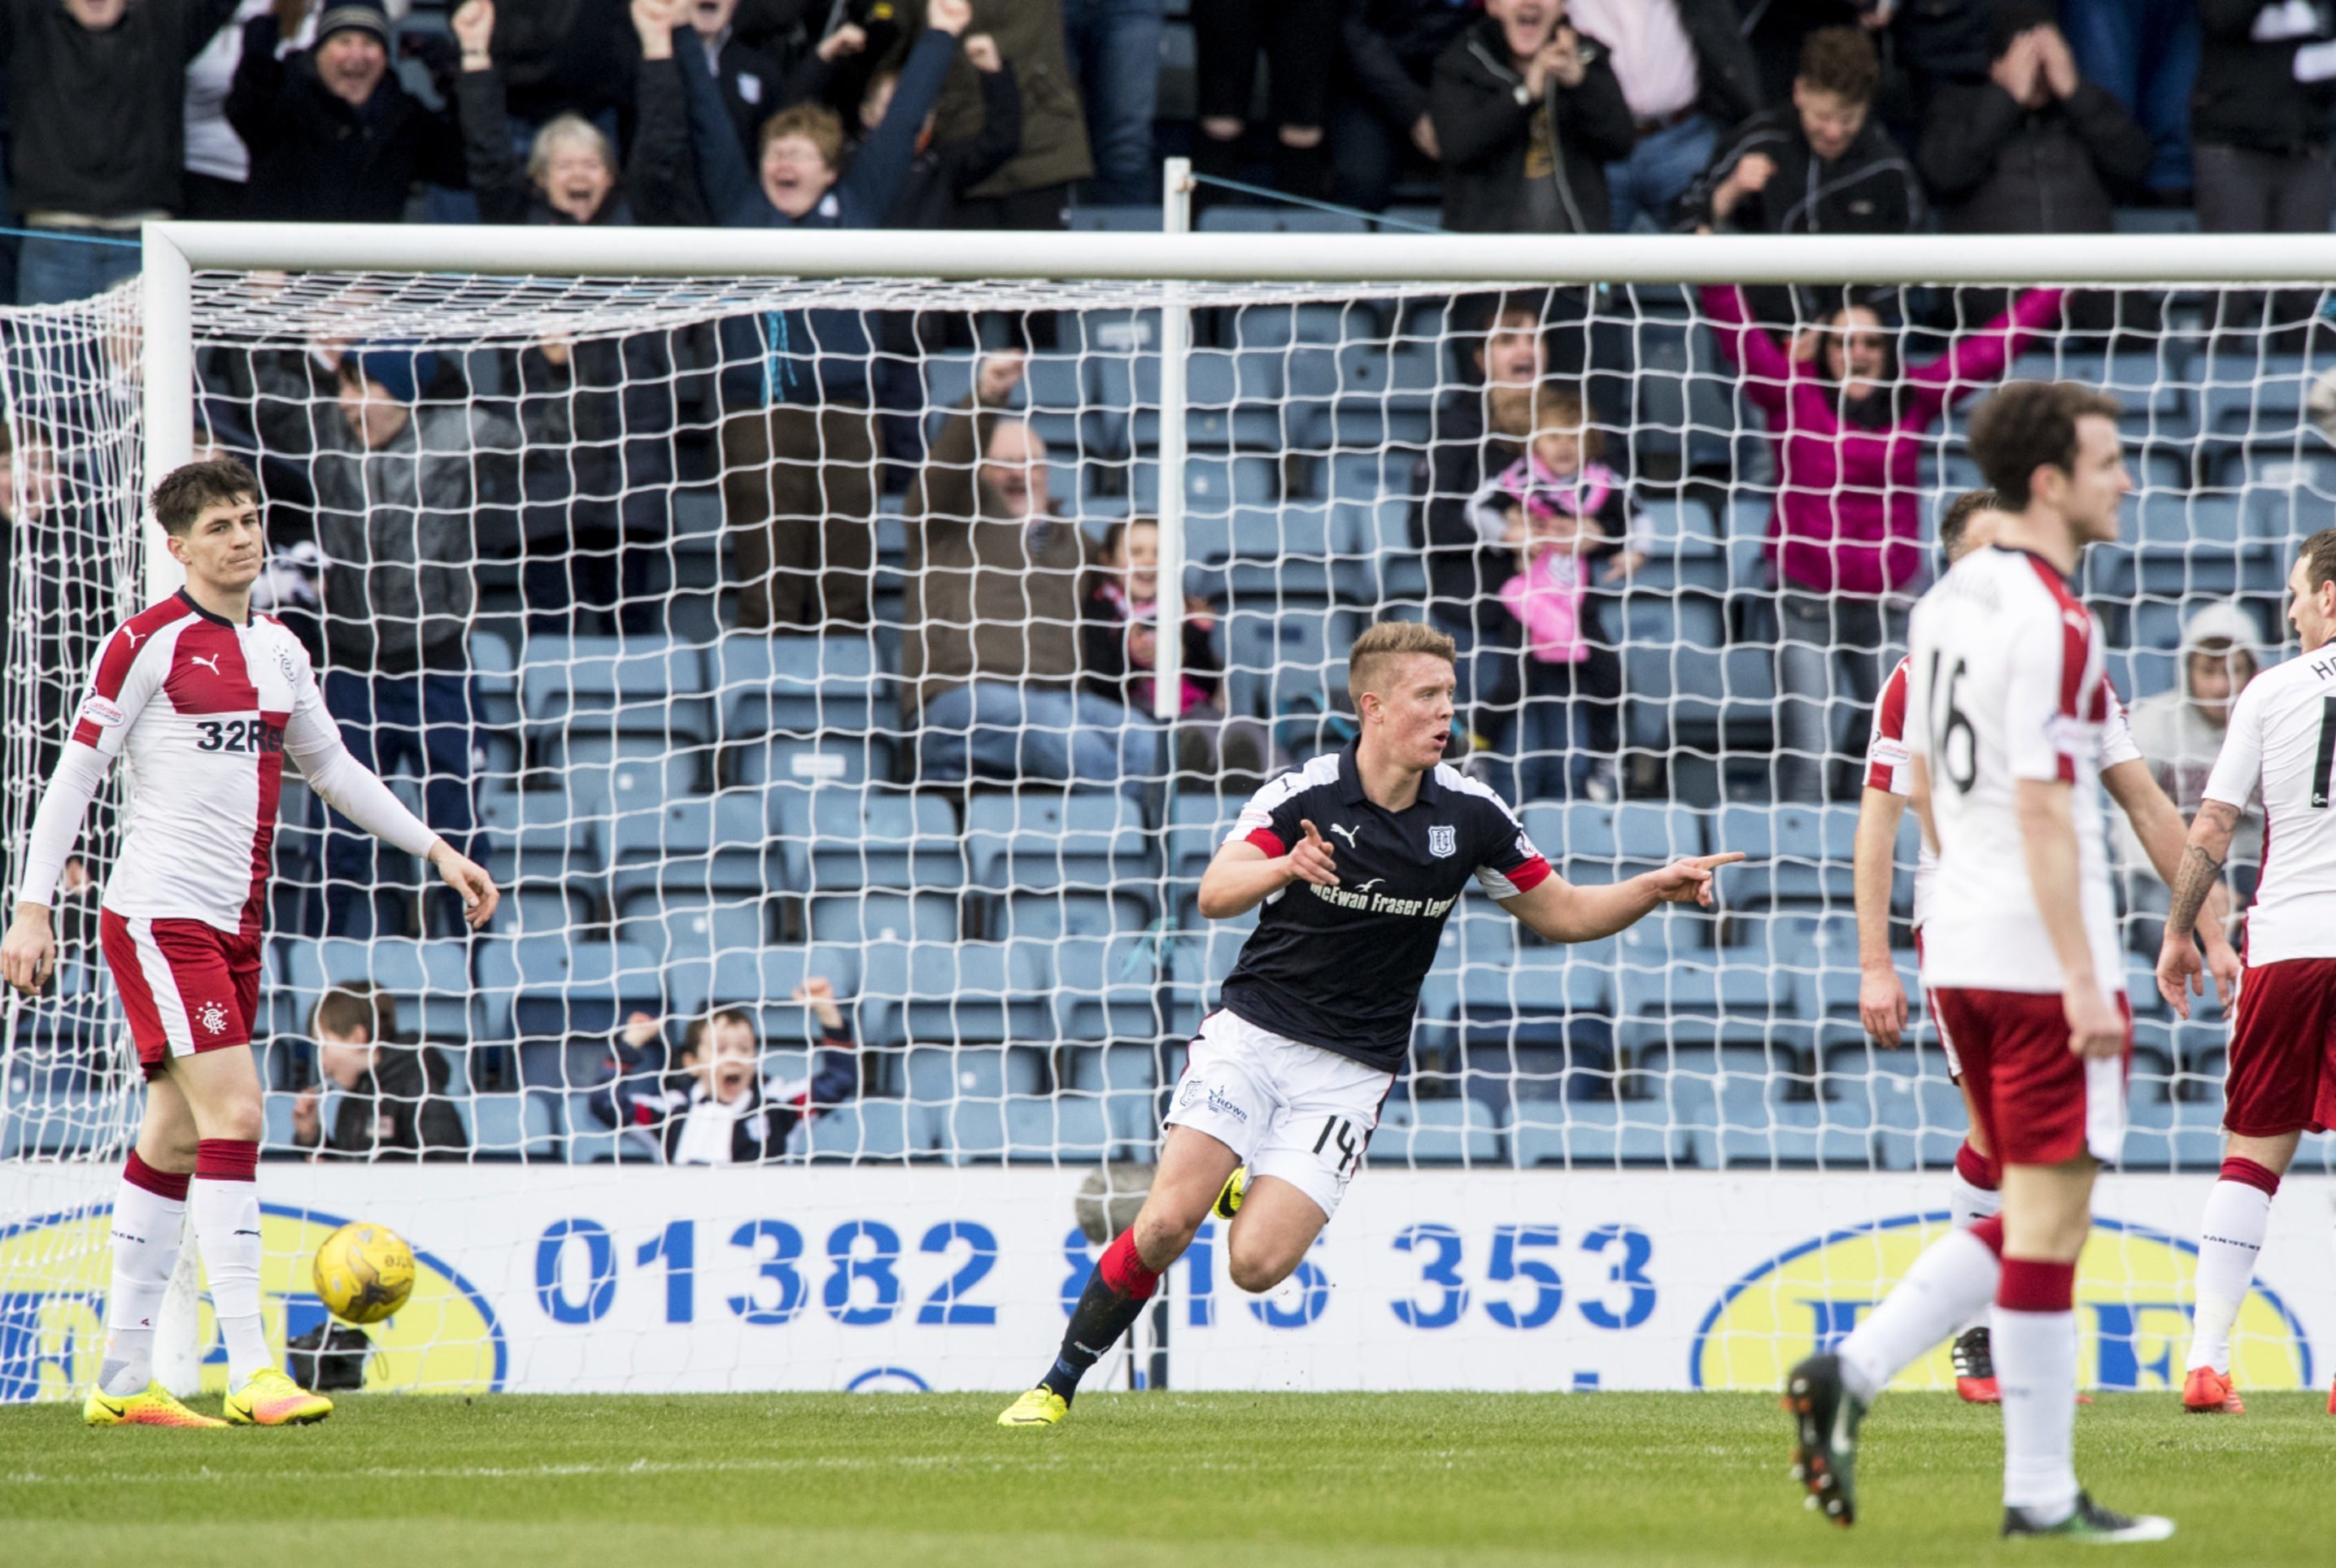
(1339, 1130)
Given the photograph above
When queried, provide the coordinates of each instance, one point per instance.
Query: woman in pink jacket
(1849, 425)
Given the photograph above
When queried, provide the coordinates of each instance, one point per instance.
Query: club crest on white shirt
(1444, 843)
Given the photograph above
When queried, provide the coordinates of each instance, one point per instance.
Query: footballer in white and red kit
(203, 701)
(2007, 702)
(2282, 1078)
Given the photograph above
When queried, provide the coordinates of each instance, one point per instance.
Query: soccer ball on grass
(364, 1273)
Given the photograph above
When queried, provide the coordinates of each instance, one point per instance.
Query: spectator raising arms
(716, 1108)
(943, 174)
(334, 137)
(97, 135)
(1688, 77)
(385, 1101)
(570, 175)
(1527, 115)
(1849, 426)
(799, 447)
(1032, 190)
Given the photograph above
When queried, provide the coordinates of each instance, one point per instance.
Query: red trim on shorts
(2035, 1285)
(1977, 1168)
(1266, 840)
(170, 1184)
(2247, 1174)
(1528, 876)
(2282, 1076)
(227, 1160)
(1989, 1231)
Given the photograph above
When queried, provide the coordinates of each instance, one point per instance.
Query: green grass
(1191, 1479)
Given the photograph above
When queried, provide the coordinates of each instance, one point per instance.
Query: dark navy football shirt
(1340, 968)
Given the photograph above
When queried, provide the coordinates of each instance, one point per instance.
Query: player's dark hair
(2319, 556)
(1366, 660)
(1957, 519)
(2027, 424)
(357, 1005)
(1841, 60)
(188, 491)
(693, 1040)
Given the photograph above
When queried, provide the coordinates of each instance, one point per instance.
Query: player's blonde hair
(1366, 660)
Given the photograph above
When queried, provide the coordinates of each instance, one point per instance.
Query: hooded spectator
(1034, 186)
(2180, 731)
(1378, 94)
(334, 136)
(1527, 115)
(95, 93)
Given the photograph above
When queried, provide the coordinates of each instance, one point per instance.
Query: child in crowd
(1120, 649)
(716, 1107)
(1555, 511)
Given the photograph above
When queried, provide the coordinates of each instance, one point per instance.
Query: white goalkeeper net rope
(695, 674)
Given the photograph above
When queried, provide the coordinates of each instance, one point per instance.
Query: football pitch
(1132, 1479)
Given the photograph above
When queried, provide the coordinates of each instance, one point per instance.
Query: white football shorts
(1291, 1111)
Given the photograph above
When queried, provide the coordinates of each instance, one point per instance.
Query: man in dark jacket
(1687, 77)
(799, 446)
(1378, 96)
(1820, 165)
(1528, 114)
(2032, 149)
(1032, 190)
(400, 489)
(2259, 128)
(335, 137)
(94, 94)
(386, 1101)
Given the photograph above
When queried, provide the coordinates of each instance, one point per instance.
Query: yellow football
(364, 1273)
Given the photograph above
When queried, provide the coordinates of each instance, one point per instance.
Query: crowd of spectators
(1858, 116)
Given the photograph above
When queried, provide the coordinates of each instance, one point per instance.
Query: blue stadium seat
(843, 839)
(970, 992)
(811, 687)
(1066, 1129)
(1757, 1127)
(1794, 852)
(1590, 1134)
(552, 987)
(1108, 986)
(514, 1127)
(703, 843)
(851, 919)
(680, 927)
(863, 1131)
(1463, 1132)
(1038, 840)
(633, 685)
(781, 763)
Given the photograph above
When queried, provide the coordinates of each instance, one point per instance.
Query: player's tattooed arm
(2198, 875)
(2158, 827)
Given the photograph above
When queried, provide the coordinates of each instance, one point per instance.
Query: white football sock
(2230, 1237)
(227, 1227)
(147, 1228)
(2036, 1366)
(1970, 1204)
(1953, 1278)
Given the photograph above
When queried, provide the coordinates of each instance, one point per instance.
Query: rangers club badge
(212, 1016)
(1443, 842)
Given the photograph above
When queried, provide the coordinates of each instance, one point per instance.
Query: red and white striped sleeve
(1888, 762)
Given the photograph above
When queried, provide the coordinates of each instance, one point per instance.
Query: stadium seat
(537, 987)
(811, 687)
(1793, 852)
(1108, 986)
(635, 685)
(1590, 1134)
(864, 1131)
(1463, 1132)
(841, 839)
(1038, 840)
(970, 993)
(1065, 1129)
(520, 1126)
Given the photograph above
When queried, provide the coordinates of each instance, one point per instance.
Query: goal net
(776, 640)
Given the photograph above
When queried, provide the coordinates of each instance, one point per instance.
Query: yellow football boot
(1038, 1408)
(1228, 1200)
(272, 1399)
(154, 1406)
